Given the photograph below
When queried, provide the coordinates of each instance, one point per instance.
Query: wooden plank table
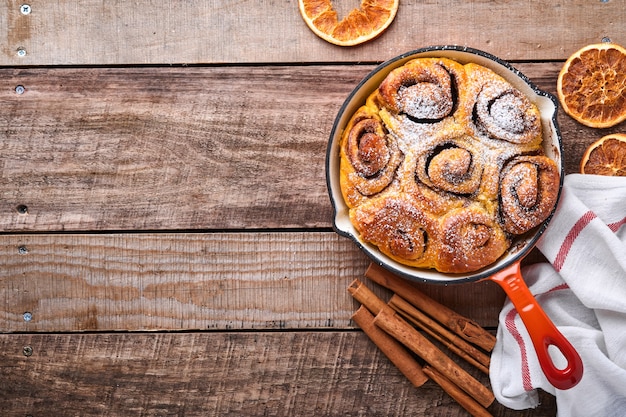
(166, 241)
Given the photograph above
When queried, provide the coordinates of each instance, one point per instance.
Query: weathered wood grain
(217, 281)
(182, 148)
(161, 148)
(92, 32)
(225, 374)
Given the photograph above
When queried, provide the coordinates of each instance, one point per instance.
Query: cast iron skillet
(506, 271)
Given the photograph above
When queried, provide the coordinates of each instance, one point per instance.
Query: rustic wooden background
(166, 244)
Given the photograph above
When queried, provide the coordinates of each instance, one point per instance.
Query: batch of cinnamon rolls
(444, 165)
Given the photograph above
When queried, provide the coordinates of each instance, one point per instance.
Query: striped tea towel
(583, 291)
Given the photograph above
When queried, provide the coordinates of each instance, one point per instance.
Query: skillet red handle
(542, 331)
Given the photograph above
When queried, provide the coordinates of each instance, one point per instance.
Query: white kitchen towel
(583, 291)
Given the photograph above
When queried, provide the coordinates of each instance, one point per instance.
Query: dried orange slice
(360, 25)
(606, 156)
(592, 85)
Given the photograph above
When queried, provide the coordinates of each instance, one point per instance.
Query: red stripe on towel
(563, 286)
(571, 237)
(615, 226)
(509, 322)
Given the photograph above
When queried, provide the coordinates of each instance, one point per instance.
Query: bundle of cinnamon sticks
(397, 327)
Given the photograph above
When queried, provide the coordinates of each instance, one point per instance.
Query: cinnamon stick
(365, 296)
(396, 353)
(462, 326)
(464, 400)
(390, 322)
(457, 345)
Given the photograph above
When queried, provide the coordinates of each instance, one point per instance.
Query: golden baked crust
(443, 165)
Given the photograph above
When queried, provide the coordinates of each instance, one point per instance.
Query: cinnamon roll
(425, 90)
(471, 239)
(371, 156)
(400, 229)
(443, 166)
(435, 200)
(501, 111)
(528, 191)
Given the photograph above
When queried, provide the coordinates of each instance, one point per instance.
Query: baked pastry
(443, 166)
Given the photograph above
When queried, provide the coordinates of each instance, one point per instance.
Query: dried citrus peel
(592, 85)
(606, 156)
(360, 25)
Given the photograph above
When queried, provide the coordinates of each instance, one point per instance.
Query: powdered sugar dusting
(507, 113)
(425, 101)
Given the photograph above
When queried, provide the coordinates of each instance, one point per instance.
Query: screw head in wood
(25, 9)
(20, 89)
(27, 351)
(28, 316)
(21, 52)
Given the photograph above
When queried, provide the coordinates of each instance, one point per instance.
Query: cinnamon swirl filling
(528, 192)
(452, 166)
(368, 148)
(372, 154)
